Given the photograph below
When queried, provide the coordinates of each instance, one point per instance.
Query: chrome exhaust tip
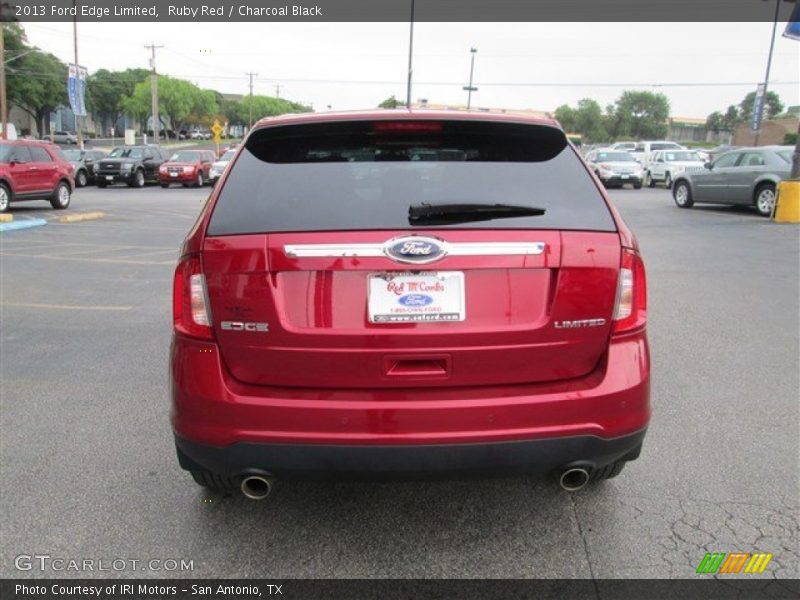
(573, 479)
(256, 487)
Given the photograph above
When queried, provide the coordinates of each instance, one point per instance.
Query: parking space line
(65, 306)
(94, 260)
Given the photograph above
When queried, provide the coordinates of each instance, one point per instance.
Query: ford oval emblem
(415, 249)
(415, 300)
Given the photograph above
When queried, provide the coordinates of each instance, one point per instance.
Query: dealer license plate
(416, 297)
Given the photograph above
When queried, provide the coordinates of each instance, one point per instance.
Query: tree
(178, 100)
(105, 91)
(640, 115)
(589, 121)
(565, 115)
(35, 80)
(390, 102)
(773, 106)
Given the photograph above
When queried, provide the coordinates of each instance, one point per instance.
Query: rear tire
(5, 197)
(213, 481)
(609, 471)
(165, 185)
(200, 181)
(102, 184)
(637, 185)
(765, 199)
(138, 179)
(682, 194)
(61, 196)
(81, 179)
(648, 179)
(668, 181)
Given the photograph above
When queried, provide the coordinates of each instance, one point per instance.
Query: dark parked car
(744, 177)
(83, 162)
(397, 291)
(32, 170)
(188, 167)
(134, 165)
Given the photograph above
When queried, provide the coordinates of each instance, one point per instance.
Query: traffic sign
(217, 130)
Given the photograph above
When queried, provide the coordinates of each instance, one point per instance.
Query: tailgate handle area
(417, 366)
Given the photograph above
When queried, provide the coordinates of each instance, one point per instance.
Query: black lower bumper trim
(320, 461)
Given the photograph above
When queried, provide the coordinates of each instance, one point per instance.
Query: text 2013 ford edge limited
(399, 292)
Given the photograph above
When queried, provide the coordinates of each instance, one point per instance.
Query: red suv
(31, 170)
(398, 292)
(189, 167)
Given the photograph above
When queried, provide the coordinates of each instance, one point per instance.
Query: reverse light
(191, 313)
(630, 310)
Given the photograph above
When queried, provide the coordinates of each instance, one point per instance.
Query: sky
(357, 65)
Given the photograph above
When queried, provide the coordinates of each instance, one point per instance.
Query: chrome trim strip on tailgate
(453, 249)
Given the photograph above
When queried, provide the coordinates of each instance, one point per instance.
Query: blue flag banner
(792, 30)
(758, 108)
(76, 89)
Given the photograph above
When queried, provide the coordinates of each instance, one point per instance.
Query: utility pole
(78, 120)
(251, 75)
(471, 88)
(769, 64)
(278, 90)
(154, 88)
(3, 108)
(410, 57)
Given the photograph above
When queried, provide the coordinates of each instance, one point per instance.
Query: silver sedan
(743, 177)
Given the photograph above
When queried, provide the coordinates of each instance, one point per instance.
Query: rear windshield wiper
(441, 214)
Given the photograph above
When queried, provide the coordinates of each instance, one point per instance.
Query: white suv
(665, 165)
(644, 149)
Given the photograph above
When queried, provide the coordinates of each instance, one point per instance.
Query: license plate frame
(416, 297)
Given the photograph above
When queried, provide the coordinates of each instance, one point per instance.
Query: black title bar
(325, 11)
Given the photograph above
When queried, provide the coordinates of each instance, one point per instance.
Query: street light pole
(154, 89)
(471, 88)
(410, 56)
(3, 108)
(251, 75)
(769, 65)
(78, 123)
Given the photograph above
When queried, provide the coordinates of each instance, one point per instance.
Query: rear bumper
(491, 458)
(228, 427)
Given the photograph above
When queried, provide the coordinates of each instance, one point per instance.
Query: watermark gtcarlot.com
(60, 564)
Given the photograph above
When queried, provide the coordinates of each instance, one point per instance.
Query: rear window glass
(365, 176)
(786, 155)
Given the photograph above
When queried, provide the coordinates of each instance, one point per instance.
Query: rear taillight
(190, 310)
(630, 311)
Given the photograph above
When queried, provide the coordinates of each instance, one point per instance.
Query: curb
(25, 224)
(90, 216)
(6, 218)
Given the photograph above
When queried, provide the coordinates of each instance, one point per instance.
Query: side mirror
(708, 165)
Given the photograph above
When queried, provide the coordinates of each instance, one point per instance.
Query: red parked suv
(396, 292)
(189, 167)
(31, 170)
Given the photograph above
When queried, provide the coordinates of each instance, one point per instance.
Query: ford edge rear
(397, 293)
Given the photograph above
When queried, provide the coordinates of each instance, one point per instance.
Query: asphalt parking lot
(88, 467)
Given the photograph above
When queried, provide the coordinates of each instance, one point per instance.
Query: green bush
(790, 139)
